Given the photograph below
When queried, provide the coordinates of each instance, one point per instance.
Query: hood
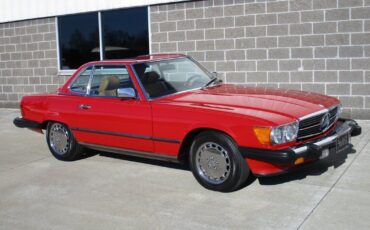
(254, 101)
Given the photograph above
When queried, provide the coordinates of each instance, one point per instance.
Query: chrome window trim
(90, 80)
(114, 64)
(210, 74)
(139, 61)
(73, 81)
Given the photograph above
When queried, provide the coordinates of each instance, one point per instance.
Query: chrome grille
(311, 126)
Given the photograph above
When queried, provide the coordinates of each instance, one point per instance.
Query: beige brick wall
(28, 59)
(314, 45)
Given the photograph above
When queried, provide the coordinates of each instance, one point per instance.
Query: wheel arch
(45, 123)
(183, 155)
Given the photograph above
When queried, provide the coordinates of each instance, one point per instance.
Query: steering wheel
(193, 79)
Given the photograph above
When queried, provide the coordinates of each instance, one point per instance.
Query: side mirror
(126, 93)
(215, 74)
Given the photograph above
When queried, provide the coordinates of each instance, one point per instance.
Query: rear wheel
(61, 142)
(216, 162)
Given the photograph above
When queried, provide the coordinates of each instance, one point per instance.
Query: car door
(108, 121)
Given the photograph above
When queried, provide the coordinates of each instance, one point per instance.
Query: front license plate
(342, 142)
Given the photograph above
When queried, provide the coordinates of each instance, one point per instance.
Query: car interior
(108, 86)
(154, 84)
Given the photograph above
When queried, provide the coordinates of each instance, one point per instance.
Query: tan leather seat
(108, 86)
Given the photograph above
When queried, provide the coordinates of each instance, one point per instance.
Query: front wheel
(61, 142)
(217, 163)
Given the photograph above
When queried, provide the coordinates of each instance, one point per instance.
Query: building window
(124, 34)
(78, 40)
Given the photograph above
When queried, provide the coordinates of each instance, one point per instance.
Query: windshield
(165, 77)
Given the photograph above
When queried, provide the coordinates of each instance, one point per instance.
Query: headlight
(277, 135)
(284, 133)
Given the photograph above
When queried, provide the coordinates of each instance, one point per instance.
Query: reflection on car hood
(242, 99)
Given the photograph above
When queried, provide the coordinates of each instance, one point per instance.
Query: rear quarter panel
(51, 107)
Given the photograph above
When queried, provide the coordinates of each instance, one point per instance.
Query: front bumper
(309, 151)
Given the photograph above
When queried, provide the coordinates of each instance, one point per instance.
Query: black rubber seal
(22, 123)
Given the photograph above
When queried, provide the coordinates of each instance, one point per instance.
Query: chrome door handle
(82, 106)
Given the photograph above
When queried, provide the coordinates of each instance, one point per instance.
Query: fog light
(324, 154)
(299, 160)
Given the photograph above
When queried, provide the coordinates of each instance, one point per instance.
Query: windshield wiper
(213, 80)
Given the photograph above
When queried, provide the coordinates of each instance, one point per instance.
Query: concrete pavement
(110, 192)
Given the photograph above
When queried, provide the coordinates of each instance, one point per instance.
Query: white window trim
(68, 72)
(149, 31)
(100, 36)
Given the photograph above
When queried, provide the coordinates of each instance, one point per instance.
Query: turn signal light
(262, 134)
(299, 160)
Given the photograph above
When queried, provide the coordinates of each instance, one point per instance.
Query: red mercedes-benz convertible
(169, 107)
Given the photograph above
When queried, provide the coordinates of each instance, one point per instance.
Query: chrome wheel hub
(213, 163)
(59, 139)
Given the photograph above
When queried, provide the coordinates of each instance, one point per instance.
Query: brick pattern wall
(313, 45)
(28, 59)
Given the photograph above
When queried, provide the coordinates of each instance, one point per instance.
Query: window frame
(63, 72)
(146, 94)
(88, 87)
(78, 75)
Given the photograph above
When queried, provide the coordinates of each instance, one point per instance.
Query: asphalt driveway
(106, 191)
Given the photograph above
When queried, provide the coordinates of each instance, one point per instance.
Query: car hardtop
(128, 61)
(138, 59)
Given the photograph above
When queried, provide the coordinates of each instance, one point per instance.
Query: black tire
(237, 170)
(71, 151)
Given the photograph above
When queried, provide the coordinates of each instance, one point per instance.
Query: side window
(79, 85)
(152, 80)
(108, 78)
